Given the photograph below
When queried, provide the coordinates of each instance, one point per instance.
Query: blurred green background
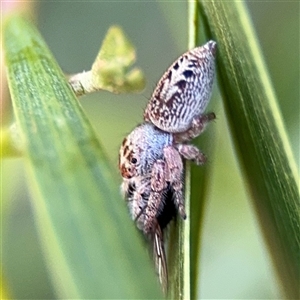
(234, 260)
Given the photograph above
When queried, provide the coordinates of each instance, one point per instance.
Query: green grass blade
(91, 246)
(259, 134)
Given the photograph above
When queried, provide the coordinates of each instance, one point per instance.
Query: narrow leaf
(91, 246)
(259, 135)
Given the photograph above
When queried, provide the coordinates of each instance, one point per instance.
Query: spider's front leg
(174, 171)
(158, 185)
(160, 257)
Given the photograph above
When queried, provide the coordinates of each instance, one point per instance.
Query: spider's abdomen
(184, 90)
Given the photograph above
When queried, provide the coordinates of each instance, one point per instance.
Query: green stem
(192, 23)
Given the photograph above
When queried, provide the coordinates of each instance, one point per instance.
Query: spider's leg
(174, 176)
(136, 192)
(192, 153)
(142, 210)
(198, 125)
(158, 184)
(159, 256)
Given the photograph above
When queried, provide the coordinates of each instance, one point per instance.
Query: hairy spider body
(150, 158)
(146, 173)
(141, 151)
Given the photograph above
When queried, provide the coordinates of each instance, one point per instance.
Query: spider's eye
(133, 160)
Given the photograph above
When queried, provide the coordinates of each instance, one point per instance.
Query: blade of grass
(91, 246)
(259, 134)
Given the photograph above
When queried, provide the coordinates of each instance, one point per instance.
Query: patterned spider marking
(183, 92)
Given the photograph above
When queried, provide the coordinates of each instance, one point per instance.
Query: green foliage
(259, 135)
(89, 241)
(111, 69)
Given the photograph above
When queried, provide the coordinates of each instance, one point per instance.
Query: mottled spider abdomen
(183, 92)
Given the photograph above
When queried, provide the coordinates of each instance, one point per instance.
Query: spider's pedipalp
(158, 185)
(175, 172)
(136, 192)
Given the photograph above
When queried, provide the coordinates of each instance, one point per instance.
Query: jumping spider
(150, 158)
(150, 162)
